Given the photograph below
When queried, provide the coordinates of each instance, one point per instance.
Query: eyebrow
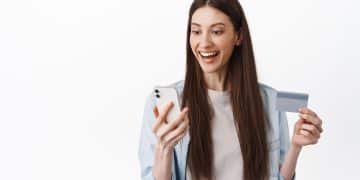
(219, 23)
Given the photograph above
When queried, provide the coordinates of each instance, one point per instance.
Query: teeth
(208, 54)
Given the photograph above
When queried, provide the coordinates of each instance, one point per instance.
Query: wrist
(162, 164)
(295, 148)
(163, 151)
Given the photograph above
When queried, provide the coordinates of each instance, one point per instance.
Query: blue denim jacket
(278, 138)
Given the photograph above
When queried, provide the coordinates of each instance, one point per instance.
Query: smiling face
(212, 39)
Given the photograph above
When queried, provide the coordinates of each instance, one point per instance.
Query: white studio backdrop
(74, 76)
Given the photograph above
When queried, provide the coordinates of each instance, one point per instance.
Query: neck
(215, 80)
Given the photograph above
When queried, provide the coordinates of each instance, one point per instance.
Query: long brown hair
(248, 111)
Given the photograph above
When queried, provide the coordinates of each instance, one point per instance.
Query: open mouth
(209, 54)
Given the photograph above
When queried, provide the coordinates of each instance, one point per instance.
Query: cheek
(192, 42)
(229, 49)
(226, 47)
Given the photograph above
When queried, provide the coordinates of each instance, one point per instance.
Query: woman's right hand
(168, 134)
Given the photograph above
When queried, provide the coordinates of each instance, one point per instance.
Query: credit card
(291, 101)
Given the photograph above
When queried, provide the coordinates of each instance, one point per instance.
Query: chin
(210, 70)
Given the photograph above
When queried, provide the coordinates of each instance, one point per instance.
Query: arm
(289, 164)
(158, 139)
(306, 132)
(288, 156)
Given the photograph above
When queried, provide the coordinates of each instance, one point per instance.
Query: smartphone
(165, 95)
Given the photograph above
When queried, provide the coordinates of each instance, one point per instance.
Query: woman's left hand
(307, 129)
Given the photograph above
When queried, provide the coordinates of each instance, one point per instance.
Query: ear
(239, 37)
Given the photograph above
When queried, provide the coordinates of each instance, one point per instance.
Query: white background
(74, 76)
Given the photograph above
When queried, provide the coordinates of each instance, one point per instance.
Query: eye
(217, 32)
(195, 32)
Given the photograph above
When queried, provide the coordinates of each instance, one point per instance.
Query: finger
(312, 119)
(180, 118)
(157, 123)
(310, 139)
(312, 129)
(164, 110)
(175, 140)
(173, 124)
(160, 117)
(298, 125)
(305, 133)
(306, 110)
(315, 122)
(176, 132)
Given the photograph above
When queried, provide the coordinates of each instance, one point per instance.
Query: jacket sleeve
(147, 140)
(284, 139)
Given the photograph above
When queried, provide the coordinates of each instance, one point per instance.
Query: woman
(228, 126)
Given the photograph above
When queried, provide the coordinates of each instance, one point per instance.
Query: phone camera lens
(156, 91)
(158, 96)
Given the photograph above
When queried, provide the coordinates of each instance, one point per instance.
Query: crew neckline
(222, 97)
(218, 92)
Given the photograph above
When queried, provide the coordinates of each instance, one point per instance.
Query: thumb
(298, 125)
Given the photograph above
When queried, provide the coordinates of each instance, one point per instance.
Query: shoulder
(178, 85)
(268, 94)
(264, 88)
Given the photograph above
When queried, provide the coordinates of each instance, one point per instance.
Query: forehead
(207, 16)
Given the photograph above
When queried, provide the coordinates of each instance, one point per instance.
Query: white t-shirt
(228, 163)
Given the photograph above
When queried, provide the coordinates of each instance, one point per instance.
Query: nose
(206, 40)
